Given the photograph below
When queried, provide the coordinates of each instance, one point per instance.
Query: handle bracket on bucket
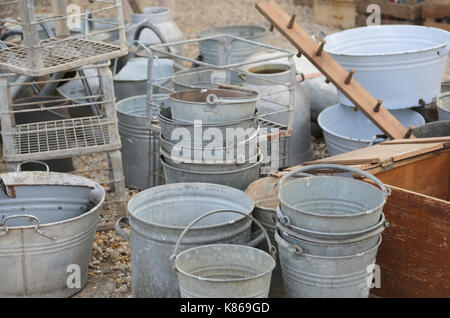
(4, 229)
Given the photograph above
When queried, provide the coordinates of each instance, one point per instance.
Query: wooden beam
(436, 11)
(134, 4)
(357, 94)
(409, 12)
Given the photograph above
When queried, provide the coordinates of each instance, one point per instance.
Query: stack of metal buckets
(210, 135)
(328, 232)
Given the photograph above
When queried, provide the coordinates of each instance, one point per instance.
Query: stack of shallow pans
(328, 232)
(210, 135)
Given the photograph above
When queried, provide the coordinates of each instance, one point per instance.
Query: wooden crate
(414, 254)
(391, 13)
(437, 15)
(338, 13)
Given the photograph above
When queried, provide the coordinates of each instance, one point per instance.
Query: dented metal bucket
(47, 227)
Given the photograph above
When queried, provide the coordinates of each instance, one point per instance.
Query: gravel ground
(109, 270)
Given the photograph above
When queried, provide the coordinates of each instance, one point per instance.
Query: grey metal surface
(239, 51)
(244, 150)
(313, 276)
(198, 78)
(439, 128)
(443, 106)
(239, 178)
(278, 88)
(224, 270)
(168, 125)
(158, 216)
(48, 223)
(213, 106)
(346, 130)
(264, 193)
(330, 203)
(131, 80)
(137, 142)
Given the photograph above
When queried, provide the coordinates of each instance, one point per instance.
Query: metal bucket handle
(253, 243)
(386, 190)
(272, 248)
(19, 166)
(4, 229)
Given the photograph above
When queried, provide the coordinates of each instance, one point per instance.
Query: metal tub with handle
(224, 270)
(332, 204)
(158, 216)
(48, 225)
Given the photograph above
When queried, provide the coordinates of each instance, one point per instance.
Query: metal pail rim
(299, 251)
(180, 185)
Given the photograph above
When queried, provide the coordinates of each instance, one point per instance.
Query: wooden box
(391, 13)
(339, 13)
(414, 256)
(437, 15)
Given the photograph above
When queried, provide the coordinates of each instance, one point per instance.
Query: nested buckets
(160, 214)
(329, 231)
(211, 135)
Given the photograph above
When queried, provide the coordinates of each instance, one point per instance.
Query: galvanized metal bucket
(443, 106)
(213, 105)
(158, 216)
(224, 270)
(170, 127)
(238, 178)
(264, 193)
(199, 78)
(48, 224)
(330, 203)
(283, 222)
(244, 150)
(334, 246)
(439, 128)
(137, 141)
(308, 275)
(239, 51)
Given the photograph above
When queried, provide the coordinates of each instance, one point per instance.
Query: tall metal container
(137, 142)
(159, 215)
(271, 80)
(48, 224)
(209, 49)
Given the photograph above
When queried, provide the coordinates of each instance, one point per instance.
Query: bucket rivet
(348, 79)
(320, 49)
(421, 102)
(376, 109)
(291, 22)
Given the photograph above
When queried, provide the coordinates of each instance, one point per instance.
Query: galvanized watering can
(224, 270)
(47, 226)
(331, 204)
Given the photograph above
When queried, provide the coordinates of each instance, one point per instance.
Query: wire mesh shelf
(66, 39)
(81, 120)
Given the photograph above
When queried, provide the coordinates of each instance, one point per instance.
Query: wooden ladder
(334, 72)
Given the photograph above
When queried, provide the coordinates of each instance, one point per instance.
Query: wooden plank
(417, 141)
(361, 20)
(409, 12)
(135, 6)
(436, 11)
(337, 13)
(414, 254)
(357, 94)
(431, 23)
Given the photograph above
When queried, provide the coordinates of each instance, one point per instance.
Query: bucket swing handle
(386, 190)
(19, 166)
(4, 229)
(272, 248)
